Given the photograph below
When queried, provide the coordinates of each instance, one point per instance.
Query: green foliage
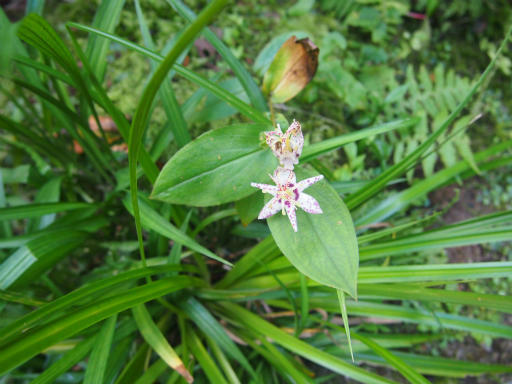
(127, 249)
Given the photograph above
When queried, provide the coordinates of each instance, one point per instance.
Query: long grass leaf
(215, 89)
(106, 18)
(408, 372)
(250, 86)
(157, 341)
(97, 365)
(265, 329)
(76, 297)
(171, 107)
(68, 325)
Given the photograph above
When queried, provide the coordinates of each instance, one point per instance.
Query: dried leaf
(291, 70)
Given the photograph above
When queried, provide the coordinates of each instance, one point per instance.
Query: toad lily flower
(287, 147)
(288, 194)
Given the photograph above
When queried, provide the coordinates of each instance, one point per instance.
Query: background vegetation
(433, 221)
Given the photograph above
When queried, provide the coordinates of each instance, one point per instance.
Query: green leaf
(65, 363)
(325, 246)
(99, 356)
(106, 18)
(343, 308)
(152, 220)
(157, 341)
(68, 325)
(48, 193)
(249, 207)
(15, 175)
(30, 261)
(267, 330)
(239, 70)
(76, 297)
(245, 109)
(205, 360)
(142, 113)
(172, 109)
(211, 327)
(409, 373)
(216, 168)
(317, 149)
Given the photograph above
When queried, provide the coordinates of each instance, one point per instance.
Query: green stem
(141, 116)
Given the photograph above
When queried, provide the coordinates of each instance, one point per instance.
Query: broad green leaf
(217, 167)
(157, 341)
(325, 246)
(249, 207)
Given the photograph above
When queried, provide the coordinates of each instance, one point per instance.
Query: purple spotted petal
(290, 211)
(265, 188)
(309, 204)
(302, 185)
(270, 209)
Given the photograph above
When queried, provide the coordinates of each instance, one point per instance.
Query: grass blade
(218, 91)
(99, 356)
(250, 86)
(171, 107)
(266, 329)
(68, 325)
(408, 372)
(106, 18)
(157, 341)
(343, 308)
(325, 146)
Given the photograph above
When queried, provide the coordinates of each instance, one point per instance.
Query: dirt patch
(466, 207)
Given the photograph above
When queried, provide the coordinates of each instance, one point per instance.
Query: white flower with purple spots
(288, 194)
(287, 147)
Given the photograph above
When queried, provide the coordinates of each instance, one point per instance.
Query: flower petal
(270, 209)
(295, 139)
(283, 176)
(309, 204)
(265, 188)
(302, 185)
(290, 211)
